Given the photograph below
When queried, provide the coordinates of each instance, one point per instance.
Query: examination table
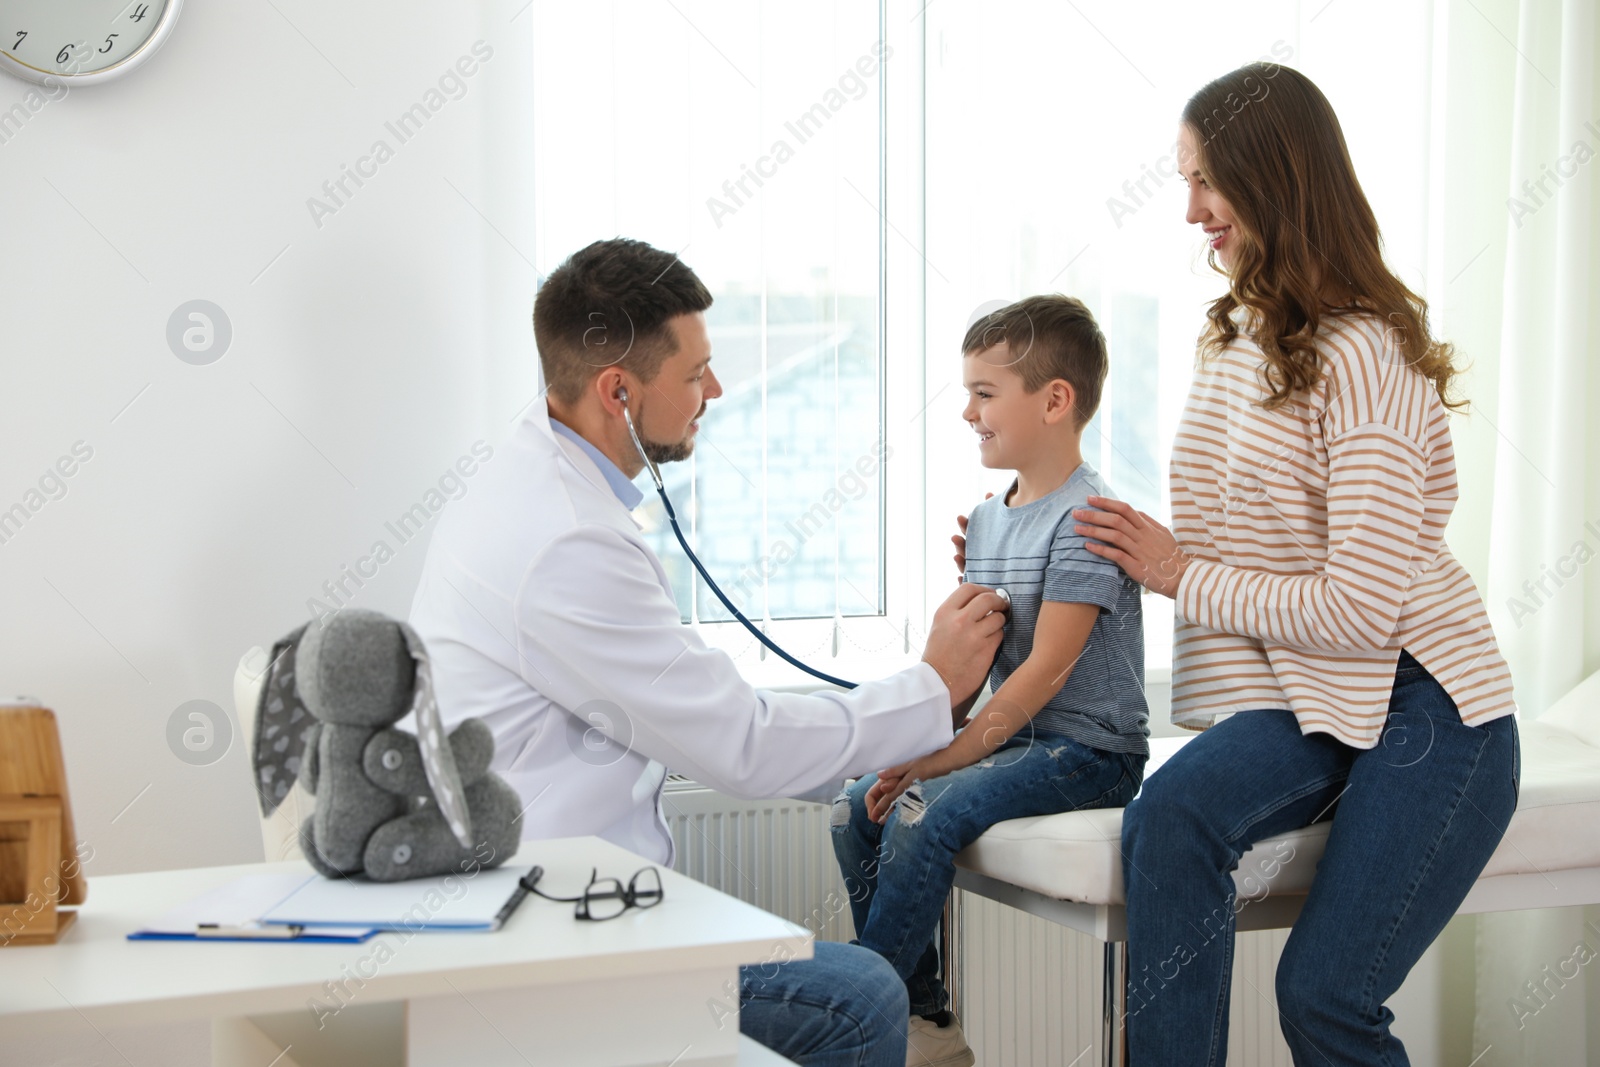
(1067, 868)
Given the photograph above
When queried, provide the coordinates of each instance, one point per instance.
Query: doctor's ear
(611, 389)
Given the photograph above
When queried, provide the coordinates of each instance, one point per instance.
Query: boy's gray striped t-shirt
(1033, 552)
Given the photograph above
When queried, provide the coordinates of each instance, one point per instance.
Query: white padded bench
(1068, 868)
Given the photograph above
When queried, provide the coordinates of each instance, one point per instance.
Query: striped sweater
(1317, 531)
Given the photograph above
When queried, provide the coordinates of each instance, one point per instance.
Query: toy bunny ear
(438, 759)
(282, 723)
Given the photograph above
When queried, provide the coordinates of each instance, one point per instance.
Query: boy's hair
(608, 305)
(1049, 336)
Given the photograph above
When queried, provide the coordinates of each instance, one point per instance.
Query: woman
(1317, 605)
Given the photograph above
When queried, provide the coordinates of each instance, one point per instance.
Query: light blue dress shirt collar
(626, 491)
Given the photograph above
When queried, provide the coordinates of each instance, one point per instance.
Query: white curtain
(1520, 80)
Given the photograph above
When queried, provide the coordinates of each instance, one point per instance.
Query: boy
(1066, 727)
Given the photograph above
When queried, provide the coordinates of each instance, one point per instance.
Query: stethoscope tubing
(672, 518)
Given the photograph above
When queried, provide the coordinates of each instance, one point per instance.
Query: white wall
(364, 361)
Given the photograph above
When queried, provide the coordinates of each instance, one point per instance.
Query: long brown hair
(1307, 244)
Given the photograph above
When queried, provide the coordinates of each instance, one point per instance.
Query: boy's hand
(882, 795)
(896, 780)
(960, 541)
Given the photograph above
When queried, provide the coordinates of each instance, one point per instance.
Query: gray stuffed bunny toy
(391, 805)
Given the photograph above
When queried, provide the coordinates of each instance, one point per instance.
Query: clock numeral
(21, 35)
(73, 55)
(107, 48)
(139, 12)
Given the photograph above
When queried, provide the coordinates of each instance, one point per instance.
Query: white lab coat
(549, 617)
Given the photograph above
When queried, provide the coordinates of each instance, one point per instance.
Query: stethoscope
(672, 517)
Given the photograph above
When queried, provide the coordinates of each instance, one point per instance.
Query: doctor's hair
(1048, 337)
(608, 305)
(1305, 245)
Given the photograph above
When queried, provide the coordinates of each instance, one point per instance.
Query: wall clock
(81, 42)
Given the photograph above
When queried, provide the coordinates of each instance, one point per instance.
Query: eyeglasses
(604, 898)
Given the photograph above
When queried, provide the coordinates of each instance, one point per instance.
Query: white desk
(546, 989)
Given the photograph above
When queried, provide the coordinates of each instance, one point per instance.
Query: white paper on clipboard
(449, 902)
(238, 905)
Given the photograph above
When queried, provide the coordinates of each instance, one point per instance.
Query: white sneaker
(930, 1045)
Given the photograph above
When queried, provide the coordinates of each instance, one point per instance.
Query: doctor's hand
(964, 637)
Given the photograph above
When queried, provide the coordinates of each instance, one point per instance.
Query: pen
(518, 895)
(263, 932)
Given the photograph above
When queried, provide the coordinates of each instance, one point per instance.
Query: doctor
(549, 617)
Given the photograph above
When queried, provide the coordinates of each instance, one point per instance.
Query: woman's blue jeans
(898, 875)
(1415, 819)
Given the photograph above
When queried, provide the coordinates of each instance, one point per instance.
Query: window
(852, 216)
(1053, 171)
(748, 139)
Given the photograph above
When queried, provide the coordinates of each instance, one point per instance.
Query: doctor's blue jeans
(899, 874)
(1415, 819)
(841, 1008)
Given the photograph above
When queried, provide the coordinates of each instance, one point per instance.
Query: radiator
(1030, 989)
(774, 854)
(1029, 994)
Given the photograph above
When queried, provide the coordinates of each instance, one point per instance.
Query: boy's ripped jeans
(898, 874)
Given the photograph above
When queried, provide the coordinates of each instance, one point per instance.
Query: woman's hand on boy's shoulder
(1144, 549)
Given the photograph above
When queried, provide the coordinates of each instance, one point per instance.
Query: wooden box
(39, 866)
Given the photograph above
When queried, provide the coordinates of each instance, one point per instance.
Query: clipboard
(453, 902)
(232, 912)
